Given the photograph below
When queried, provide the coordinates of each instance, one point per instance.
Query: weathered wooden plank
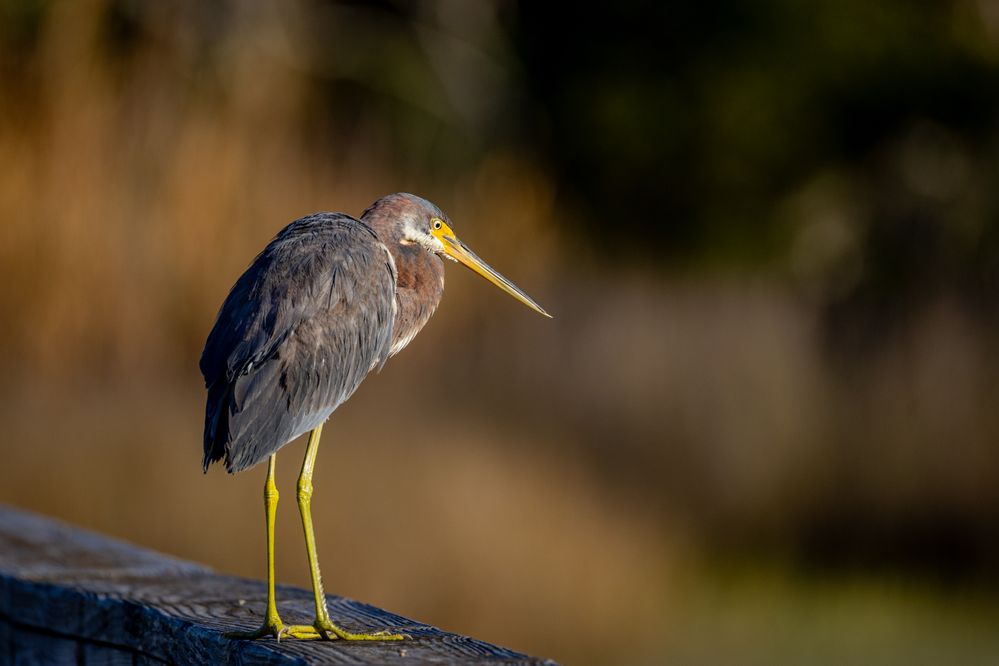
(72, 596)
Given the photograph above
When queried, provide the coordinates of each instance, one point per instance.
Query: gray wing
(295, 337)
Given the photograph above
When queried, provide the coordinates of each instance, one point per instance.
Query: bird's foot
(273, 626)
(330, 631)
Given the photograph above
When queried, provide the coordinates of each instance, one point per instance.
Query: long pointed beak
(458, 251)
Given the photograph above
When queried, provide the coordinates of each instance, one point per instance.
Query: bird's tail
(216, 422)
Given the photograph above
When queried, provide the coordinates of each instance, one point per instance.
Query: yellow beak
(458, 251)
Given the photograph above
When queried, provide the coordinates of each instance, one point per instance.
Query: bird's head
(416, 221)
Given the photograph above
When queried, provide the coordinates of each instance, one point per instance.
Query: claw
(331, 631)
(274, 629)
(303, 632)
(278, 630)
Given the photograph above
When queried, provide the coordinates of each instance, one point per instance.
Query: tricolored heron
(328, 300)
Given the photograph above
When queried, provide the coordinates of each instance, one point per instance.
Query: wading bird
(328, 300)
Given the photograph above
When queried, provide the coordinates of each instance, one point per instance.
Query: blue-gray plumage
(328, 300)
(296, 336)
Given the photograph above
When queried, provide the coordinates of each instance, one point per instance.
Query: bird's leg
(323, 624)
(272, 625)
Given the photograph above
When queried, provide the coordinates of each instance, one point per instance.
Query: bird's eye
(437, 224)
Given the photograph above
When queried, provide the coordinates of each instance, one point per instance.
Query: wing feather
(295, 337)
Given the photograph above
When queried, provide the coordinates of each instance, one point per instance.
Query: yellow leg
(272, 622)
(323, 624)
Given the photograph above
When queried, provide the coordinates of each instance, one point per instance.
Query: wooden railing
(75, 597)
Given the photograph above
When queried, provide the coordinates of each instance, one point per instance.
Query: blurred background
(762, 427)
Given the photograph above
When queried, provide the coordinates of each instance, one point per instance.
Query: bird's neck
(419, 274)
(419, 288)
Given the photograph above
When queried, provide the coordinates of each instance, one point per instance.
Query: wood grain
(72, 596)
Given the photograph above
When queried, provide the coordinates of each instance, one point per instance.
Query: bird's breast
(419, 288)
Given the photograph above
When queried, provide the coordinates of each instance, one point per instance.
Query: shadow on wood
(71, 596)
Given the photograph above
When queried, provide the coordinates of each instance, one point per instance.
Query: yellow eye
(437, 223)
